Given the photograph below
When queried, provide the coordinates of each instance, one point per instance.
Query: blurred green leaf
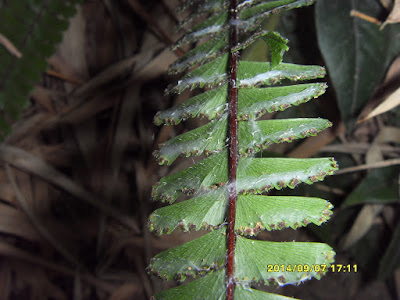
(35, 28)
(380, 186)
(391, 259)
(356, 53)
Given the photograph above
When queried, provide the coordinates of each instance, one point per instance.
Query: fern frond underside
(207, 180)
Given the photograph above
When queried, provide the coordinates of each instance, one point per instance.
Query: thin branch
(381, 164)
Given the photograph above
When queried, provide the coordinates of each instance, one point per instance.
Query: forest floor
(77, 171)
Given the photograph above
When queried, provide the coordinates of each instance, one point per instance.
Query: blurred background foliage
(76, 169)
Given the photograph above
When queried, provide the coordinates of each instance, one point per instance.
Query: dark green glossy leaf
(378, 187)
(356, 52)
(390, 261)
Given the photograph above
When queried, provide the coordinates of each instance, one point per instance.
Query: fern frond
(35, 28)
(218, 187)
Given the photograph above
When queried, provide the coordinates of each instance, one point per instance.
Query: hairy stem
(233, 150)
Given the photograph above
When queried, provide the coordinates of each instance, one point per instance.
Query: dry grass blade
(8, 250)
(36, 222)
(381, 164)
(121, 68)
(33, 164)
(9, 46)
(358, 148)
(126, 291)
(13, 221)
(361, 225)
(391, 102)
(361, 15)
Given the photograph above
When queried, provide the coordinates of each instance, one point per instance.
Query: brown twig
(64, 77)
(360, 15)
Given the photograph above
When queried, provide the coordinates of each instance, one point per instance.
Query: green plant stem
(233, 150)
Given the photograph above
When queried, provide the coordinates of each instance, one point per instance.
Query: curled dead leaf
(391, 102)
(394, 16)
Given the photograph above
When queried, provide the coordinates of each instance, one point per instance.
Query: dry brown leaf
(397, 282)
(313, 145)
(388, 4)
(40, 286)
(362, 224)
(13, 221)
(33, 164)
(11, 252)
(391, 102)
(389, 85)
(394, 16)
(367, 216)
(126, 291)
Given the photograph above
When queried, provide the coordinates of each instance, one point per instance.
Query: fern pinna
(229, 187)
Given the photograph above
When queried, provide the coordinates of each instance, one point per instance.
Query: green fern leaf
(250, 74)
(214, 284)
(251, 15)
(210, 254)
(201, 212)
(253, 136)
(255, 213)
(35, 28)
(255, 175)
(219, 45)
(291, 262)
(243, 292)
(253, 103)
